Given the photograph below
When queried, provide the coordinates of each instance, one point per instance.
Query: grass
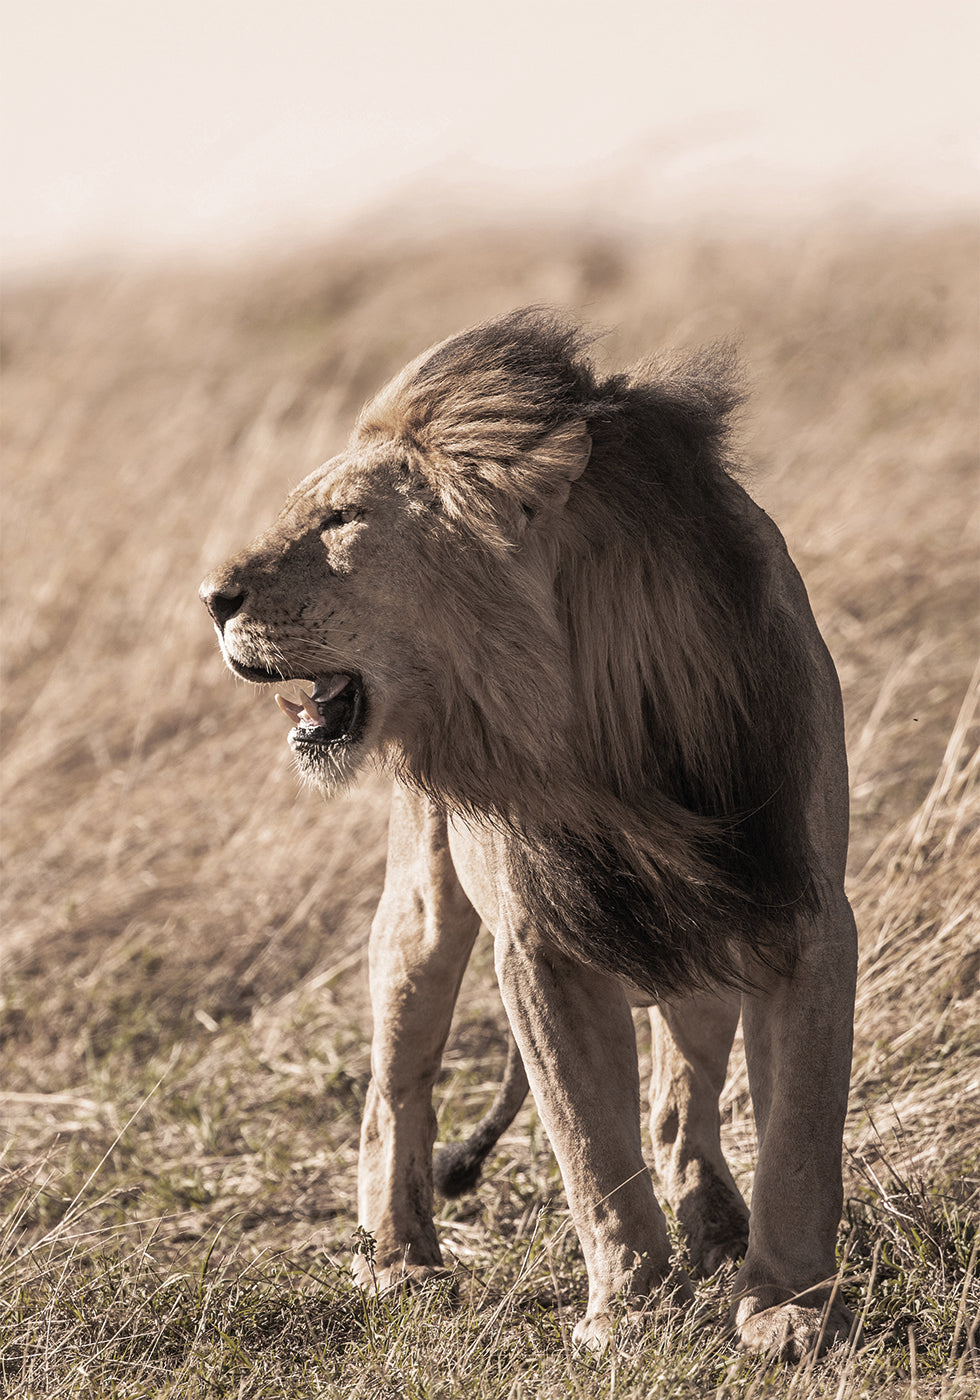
(183, 1018)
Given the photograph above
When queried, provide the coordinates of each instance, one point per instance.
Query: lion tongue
(329, 689)
(309, 712)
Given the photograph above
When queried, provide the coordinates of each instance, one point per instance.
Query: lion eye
(339, 517)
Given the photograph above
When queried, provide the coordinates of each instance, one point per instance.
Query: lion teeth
(291, 711)
(308, 712)
(309, 707)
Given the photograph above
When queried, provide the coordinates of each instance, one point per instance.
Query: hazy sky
(150, 125)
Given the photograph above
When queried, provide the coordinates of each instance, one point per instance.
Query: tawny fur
(589, 662)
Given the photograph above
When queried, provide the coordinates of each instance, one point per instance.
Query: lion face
(411, 581)
(330, 596)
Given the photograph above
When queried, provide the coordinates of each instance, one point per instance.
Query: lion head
(410, 580)
(541, 596)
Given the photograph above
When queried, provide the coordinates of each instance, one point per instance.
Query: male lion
(542, 599)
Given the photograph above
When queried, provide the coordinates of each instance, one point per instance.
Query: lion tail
(457, 1166)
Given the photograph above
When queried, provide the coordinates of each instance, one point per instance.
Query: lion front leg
(421, 939)
(798, 1034)
(574, 1028)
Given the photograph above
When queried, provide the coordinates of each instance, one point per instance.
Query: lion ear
(560, 459)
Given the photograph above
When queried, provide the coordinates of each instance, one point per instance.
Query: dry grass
(184, 1027)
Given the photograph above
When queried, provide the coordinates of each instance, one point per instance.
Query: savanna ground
(185, 1032)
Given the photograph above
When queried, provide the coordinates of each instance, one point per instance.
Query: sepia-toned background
(226, 225)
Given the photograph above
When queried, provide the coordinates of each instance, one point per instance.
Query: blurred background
(205, 125)
(223, 226)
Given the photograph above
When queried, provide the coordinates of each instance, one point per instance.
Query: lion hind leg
(458, 1165)
(692, 1040)
(798, 1049)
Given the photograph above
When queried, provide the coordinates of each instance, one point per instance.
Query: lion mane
(640, 722)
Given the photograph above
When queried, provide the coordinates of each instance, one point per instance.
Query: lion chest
(480, 860)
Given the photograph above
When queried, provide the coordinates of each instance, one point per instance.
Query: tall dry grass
(175, 908)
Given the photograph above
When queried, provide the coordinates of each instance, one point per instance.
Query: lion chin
(541, 597)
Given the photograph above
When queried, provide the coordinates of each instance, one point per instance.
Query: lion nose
(222, 602)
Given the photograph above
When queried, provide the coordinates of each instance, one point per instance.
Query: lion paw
(791, 1331)
(594, 1332)
(630, 1323)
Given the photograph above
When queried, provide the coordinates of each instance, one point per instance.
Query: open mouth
(333, 714)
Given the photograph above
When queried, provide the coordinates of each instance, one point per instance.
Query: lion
(542, 599)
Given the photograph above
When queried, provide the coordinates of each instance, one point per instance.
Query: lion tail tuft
(457, 1166)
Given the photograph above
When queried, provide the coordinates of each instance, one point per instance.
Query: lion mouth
(333, 714)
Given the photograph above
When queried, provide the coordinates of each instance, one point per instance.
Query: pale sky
(149, 126)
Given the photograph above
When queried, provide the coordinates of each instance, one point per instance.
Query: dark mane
(660, 824)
